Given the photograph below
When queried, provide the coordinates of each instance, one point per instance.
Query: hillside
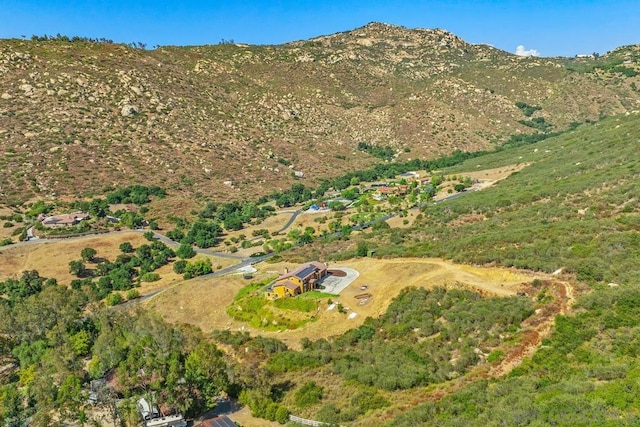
(439, 344)
(513, 303)
(78, 117)
(574, 207)
(572, 214)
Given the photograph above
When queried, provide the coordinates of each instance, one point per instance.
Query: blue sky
(549, 27)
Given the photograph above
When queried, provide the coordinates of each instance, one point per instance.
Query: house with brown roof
(64, 220)
(303, 279)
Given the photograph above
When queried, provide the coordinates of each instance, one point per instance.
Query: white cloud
(521, 51)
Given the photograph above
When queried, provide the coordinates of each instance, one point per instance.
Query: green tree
(336, 206)
(197, 268)
(126, 247)
(305, 238)
(459, 187)
(80, 343)
(206, 371)
(185, 251)
(179, 266)
(88, 254)
(363, 249)
(233, 223)
(76, 267)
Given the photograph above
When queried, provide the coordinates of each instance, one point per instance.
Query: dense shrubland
(585, 374)
(575, 208)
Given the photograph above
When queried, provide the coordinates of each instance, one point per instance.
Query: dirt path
(384, 279)
(536, 328)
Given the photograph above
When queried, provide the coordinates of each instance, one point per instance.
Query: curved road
(244, 261)
(291, 220)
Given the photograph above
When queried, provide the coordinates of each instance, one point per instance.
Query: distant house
(64, 220)
(221, 421)
(147, 410)
(167, 421)
(410, 175)
(402, 189)
(152, 418)
(304, 279)
(382, 192)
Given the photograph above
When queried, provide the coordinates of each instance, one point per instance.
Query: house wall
(279, 290)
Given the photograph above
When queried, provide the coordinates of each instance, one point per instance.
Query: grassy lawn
(251, 306)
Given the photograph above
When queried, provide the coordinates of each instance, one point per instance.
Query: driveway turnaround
(334, 284)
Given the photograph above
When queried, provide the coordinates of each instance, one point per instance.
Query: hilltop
(223, 120)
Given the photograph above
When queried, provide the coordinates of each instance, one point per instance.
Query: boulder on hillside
(129, 110)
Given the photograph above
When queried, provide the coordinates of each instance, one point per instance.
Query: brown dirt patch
(337, 273)
(483, 178)
(495, 174)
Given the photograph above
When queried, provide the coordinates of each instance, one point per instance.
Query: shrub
(113, 299)
(185, 251)
(126, 247)
(179, 266)
(149, 235)
(309, 394)
(495, 355)
(197, 268)
(282, 415)
(150, 277)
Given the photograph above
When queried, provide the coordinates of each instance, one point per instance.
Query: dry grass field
(496, 174)
(51, 258)
(406, 222)
(203, 302)
(7, 231)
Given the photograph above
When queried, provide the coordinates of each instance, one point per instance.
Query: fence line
(306, 422)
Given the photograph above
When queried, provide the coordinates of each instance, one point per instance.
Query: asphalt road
(243, 261)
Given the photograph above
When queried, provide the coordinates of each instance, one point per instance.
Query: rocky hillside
(222, 120)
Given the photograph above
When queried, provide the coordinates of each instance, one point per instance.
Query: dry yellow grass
(51, 258)
(203, 302)
(6, 232)
(406, 222)
(495, 174)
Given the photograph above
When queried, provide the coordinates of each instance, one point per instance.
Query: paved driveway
(334, 285)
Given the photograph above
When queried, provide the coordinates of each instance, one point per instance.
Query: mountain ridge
(78, 117)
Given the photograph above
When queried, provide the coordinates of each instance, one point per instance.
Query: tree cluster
(121, 274)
